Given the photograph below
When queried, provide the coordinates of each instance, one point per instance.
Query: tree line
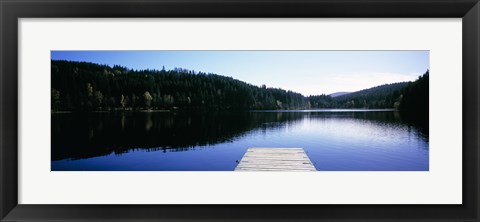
(82, 86)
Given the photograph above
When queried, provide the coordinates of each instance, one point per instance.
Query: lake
(334, 140)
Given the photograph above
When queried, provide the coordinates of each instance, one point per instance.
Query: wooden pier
(275, 159)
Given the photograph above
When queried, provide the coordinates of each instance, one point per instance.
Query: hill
(82, 86)
(379, 97)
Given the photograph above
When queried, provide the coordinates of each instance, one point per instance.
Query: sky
(306, 72)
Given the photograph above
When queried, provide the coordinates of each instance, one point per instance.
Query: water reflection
(79, 136)
(335, 140)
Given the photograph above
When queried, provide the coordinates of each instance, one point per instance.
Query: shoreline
(253, 111)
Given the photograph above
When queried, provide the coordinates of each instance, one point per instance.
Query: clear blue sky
(306, 72)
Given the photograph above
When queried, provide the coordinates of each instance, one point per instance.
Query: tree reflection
(78, 136)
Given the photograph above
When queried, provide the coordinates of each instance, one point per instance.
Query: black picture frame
(11, 11)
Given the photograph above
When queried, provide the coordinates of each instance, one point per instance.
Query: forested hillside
(88, 86)
(82, 86)
(383, 96)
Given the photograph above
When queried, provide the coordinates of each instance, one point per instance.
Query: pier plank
(275, 159)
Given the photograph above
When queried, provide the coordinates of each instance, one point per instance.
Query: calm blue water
(335, 140)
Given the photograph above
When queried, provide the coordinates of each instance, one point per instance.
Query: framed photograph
(225, 110)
